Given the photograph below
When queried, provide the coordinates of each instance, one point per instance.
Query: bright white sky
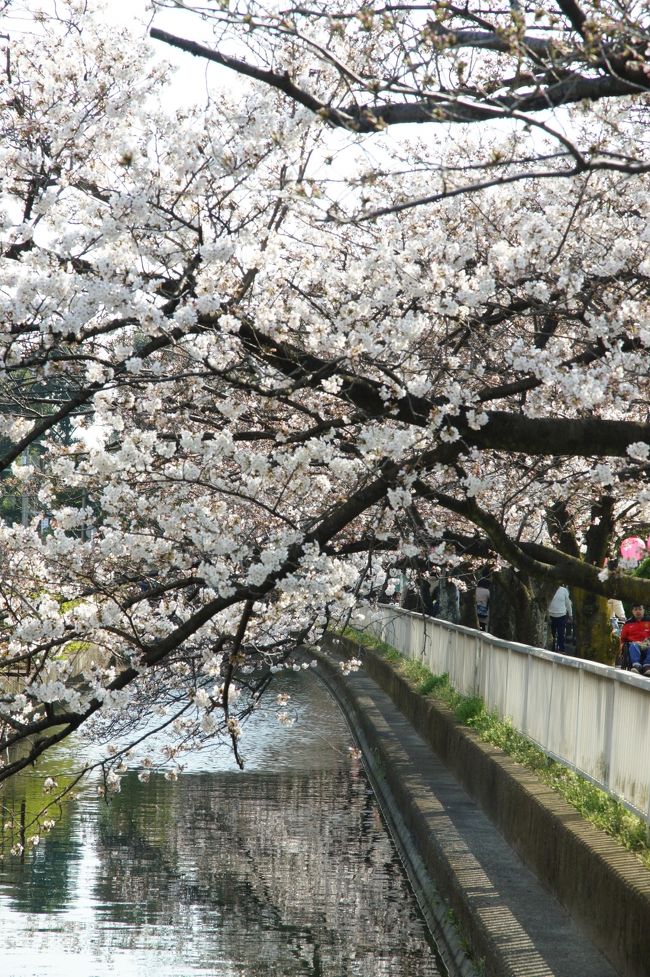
(197, 79)
(196, 73)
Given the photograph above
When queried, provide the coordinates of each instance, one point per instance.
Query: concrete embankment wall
(577, 711)
(604, 888)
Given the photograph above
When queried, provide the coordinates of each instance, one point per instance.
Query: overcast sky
(196, 74)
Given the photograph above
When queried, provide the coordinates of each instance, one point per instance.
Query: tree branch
(434, 107)
(564, 568)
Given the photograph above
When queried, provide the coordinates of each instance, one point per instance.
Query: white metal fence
(594, 718)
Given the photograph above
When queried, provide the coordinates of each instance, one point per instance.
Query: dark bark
(436, 107)
(504, 430)
(468, 608)
(518, 608)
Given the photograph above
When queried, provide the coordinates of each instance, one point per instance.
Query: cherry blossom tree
(520, 69)
(239, 402)
(366, 67)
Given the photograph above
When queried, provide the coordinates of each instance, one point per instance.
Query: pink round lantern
(633, 548)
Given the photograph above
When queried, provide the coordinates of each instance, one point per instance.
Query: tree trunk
(448, 601)
(518, 609)
(592, 627)
(468, 608)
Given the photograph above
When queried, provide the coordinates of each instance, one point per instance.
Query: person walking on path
(560, 611)
(483, 602)
(636, 632)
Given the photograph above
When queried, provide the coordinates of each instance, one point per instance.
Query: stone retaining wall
(604, 887)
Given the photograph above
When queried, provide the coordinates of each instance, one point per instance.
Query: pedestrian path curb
(451, 948)
(604, 888)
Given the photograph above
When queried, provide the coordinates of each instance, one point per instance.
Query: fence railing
(591, 717)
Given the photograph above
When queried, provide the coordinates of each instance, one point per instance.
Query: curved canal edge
(605, 888)
(451, 944)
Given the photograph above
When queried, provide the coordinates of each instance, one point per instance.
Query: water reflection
(283, 870)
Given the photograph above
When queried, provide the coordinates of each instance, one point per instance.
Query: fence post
(526, 688)
(549, 701)
(578, 729)
(608, 739)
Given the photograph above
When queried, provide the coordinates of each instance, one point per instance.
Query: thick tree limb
(565, 568)
(434, 107)
(504, 430)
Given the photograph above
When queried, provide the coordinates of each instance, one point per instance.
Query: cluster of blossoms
(241, 409)
(350, 665)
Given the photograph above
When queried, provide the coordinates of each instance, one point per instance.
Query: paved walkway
(518, 927)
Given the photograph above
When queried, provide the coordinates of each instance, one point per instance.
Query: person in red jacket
(636, 632)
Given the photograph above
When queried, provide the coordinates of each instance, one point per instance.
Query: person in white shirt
(560, 611)
(616, 613)
(483, 603)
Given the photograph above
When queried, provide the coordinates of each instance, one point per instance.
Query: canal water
(281, 870)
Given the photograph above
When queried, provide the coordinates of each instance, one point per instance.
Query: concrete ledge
(409, 833)
(604, 888)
